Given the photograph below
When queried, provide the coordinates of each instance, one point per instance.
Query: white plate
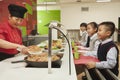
(37, 52)
(54, 51)
(41, 44)
(82, 51)
(83, 48)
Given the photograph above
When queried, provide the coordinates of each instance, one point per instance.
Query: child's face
(91, 30)
(83, 28)
(103, 33)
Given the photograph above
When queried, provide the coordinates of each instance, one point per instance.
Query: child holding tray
(107, 52)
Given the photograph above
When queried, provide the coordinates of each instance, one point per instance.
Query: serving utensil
(31, 52)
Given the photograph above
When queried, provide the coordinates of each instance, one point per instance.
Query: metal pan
(55, 64)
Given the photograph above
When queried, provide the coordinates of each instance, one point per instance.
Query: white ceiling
(71, 1)
(53, 2)
(82, 1)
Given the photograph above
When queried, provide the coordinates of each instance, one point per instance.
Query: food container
(55, 64)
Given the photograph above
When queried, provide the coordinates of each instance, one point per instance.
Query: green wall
(44, 17)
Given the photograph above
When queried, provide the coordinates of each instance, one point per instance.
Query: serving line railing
(95, 74)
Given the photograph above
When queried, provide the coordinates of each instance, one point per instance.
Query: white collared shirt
(94, 42)
(93, 36)
(83, 39)
(111, 57)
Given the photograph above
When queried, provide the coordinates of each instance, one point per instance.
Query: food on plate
(43, 57)
(34, 48)
(56, 44)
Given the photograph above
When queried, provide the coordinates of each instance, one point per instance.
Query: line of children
(107, 52)
(91, 41)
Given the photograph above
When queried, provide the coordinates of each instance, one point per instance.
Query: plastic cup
(76, 55)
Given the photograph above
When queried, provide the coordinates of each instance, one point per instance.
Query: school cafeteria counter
(18, 71)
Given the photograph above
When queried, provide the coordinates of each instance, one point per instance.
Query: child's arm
(91, 53)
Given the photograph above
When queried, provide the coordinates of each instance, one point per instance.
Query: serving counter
(18, 71)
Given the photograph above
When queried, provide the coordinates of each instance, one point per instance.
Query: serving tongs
(31, 52)
(18, 61)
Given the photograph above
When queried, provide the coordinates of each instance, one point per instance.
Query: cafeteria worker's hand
(23, 49)
(91, 65)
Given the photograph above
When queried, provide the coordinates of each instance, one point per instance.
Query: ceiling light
(103, 0)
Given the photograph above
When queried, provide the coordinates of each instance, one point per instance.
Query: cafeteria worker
(10, 33)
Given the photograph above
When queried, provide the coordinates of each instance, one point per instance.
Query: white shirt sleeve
(94, 52)
(91, 53)
(111, 60)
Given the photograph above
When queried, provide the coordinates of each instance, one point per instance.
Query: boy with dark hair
(107, 52)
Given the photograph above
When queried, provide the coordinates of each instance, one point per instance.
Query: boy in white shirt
(107, 52)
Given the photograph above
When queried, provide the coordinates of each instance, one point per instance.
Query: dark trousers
(5, 56)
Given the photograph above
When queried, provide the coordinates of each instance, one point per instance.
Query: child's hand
(81, 53)
(90, 65)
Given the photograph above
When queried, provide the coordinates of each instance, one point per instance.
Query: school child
(92, 29)
(107, 52)
(84, 35)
